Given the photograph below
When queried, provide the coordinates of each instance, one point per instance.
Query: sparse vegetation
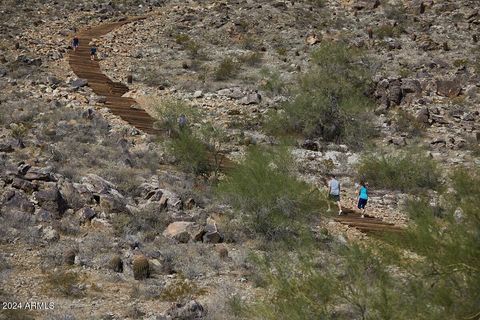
(181, 289)
(330, 100)
(227, 69)
(408, 171)
(269, 200)
(408, 123)
(66, 283)
(251, 59)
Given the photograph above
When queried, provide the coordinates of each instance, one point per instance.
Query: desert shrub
(267, 197)
(272, 81)
(182, 38)
(191, 153)
(181, 289)
(167, 111)
(386, 31)
(406, 171)
(65, 283)
(251, 59)
(227, 69)
(330, 101)
(430, 271)
(149, 221)
(408, 123)
(141, 268)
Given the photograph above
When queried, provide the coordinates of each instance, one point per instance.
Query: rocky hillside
(102, 221)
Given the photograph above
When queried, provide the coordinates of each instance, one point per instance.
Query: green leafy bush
(430, 271)
(191, 152)
(330, 100)
(406, 171)
(267, 197)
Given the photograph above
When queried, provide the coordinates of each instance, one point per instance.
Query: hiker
(75, 43)
(362, 197)
(93, 51)
(182, 122)
(334, 192)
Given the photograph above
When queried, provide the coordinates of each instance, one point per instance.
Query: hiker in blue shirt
(362, 197)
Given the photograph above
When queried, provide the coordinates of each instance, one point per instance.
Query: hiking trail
(89, 70)
(368, 224)
(85, 68)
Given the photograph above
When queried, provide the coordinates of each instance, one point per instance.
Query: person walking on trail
(182, 122)
(93, 52)
(362, 197)
(334, 192)
(75, 43)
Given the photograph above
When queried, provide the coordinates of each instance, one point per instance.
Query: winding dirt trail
(90, 70)
(368, 224)
(85, 68)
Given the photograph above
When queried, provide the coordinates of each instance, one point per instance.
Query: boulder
(113, 201)
(448, 88)
(251, 98)
(51, 200)
(423, 116)
(17, 200)
(183, 231)
(191, 310)
(6, 147)
(79, 83)
(24, 185)
(71, 195)
(411, 86)
(86, 214)
(170, 200)
(97, 184)
(395, 92)
(36, 173)
(211, 234)
(49, 234)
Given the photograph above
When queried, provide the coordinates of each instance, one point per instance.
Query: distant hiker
(334, 192)
(93, 52)
(75, 43)
(182, 122)
(362, 197)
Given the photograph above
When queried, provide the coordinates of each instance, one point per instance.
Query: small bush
(148, 221)
(68, 284)
(181, 289)
(182, 38)
(406, 171)
(191, 152)
(252, 59)
(141, 268)
(227, 69)
(386, 31)
(272, 81)
(408, 123)
(330, 100)
(167, 111)
(267, 197)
